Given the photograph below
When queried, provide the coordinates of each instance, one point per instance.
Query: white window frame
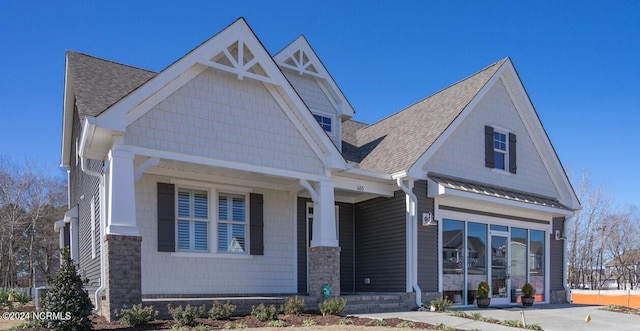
(245, 223)
(329, 116)
(192, 219)
(505, 132)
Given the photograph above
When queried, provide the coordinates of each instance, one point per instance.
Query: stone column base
(324, 268)
(558, 296)
(123, 274)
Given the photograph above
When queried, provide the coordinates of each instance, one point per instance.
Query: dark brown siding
(345, 234)
(82, 189)
(427, 242)
(346, 211)
(556, 252)
(380, 251)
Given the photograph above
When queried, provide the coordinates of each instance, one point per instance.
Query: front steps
(378, 302)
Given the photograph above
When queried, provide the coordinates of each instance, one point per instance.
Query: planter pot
(483, 302)
(527, 301)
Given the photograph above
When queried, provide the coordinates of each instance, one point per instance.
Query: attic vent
(300, 62)
(238, 58)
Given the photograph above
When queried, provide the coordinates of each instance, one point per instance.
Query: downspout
(102, 287)
(413, 214)
(565, 262)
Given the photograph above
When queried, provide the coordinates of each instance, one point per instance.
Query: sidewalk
(549, 317)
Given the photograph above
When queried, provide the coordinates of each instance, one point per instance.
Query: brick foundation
(324, 268)
(123, 274)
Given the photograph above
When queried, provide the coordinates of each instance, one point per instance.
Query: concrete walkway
(549, 317)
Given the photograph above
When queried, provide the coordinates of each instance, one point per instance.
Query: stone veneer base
(123, 274)
(324, 268)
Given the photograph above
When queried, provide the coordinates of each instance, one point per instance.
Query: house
(234, 172)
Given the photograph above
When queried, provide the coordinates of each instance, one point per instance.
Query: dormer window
(499, 149)
(326, 123)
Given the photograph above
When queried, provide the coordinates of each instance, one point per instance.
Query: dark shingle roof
(99, 83)
(494, 191)
(395, 143)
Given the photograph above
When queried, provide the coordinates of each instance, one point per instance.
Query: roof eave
(68, 106)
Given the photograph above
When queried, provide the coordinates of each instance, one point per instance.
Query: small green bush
(476, 316)
(444, 327)
(136, 315)
(277, 324)
(293, 306)
(441, 304)
(4, 299)
(345, 321)
(483, 290)
(187, 316)
(535, 327)
(512, 323)
(332, 306)
(309, 322)
(235, 325)
(461, 314)
(377, 322)
(221, 311)
(406, 324)
(528, 290)
(263, 313)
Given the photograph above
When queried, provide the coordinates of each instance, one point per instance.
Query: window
(193, 220)
(232, 223)
(499, 150)
(325, 122)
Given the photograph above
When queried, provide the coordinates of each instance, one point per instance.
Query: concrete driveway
(550, 317)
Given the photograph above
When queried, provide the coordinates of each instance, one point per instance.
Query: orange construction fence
(627, 298)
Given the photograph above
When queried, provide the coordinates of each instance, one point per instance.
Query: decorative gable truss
(236, 50)
(300, 57)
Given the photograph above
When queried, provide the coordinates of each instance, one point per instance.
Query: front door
(500, 281)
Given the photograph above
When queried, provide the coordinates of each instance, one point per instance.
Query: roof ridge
(436, 93)
(110, 61)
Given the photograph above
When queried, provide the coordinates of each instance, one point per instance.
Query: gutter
(565, 262)
(102, 287)
(413, 263)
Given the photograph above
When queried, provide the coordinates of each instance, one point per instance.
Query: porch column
(324, 253)
(122, 242)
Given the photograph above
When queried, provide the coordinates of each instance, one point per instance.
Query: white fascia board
(58, 225)
(418, 167)
(95, 141)
(221, 163)
(539, 136)
(506, 202)
(217, 180)
(369, 173)
(70, 214)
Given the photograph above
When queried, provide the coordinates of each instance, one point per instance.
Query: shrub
(444, 327)
(528, 290)
(441, 304)
(377, 322)
(4, 299)
(406, 324)
(187, 316)
(136, 315)
(309, 322)
(345, 321)
(483, 290)
(235, 325)
(460, 314)
(535, 327)
(68, 296)
(332, 306)
(512, 323)
(277, 324)
(293, 306)
(263, 313)
(221, 311)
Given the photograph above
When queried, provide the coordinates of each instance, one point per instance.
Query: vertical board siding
(82, 188)
(380, 239)
(556, 252)
(427, 242)
(347, 270)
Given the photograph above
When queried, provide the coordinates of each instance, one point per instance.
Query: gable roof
(395, 143)
(99, 83)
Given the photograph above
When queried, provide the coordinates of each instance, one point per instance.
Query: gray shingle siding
(302, 245)
(427, 242)
(82, 189)
(556, 252)
(380, 245)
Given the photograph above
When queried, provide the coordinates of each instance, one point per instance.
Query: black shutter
(166, 218)
(512, 153)
(256, 224)
(488, 146)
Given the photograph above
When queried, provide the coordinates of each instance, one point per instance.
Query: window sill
(212, 255)
(502, 172)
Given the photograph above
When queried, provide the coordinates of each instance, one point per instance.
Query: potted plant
(527, 295)
(483, 300)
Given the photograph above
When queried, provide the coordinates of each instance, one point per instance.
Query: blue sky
(579, 61)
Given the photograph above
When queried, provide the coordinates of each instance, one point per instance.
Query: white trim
(363, 186)
(330, 116)
(212, 255)
(93, 226)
